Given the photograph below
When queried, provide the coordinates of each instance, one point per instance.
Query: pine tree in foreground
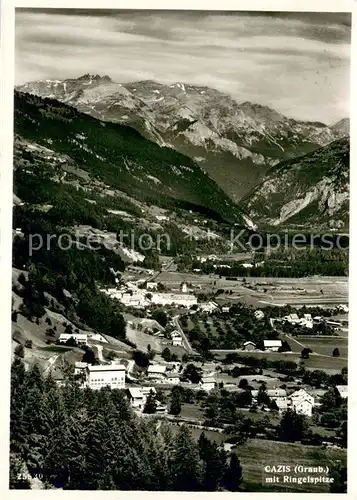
(233, 477)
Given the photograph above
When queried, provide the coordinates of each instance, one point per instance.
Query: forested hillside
(71, 438)
(120, 157)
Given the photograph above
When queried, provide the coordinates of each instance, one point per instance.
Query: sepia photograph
(180, 251)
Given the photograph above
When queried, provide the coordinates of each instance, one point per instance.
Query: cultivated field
(258, 453)
(315, 362)
(325, 345)
(260, 292)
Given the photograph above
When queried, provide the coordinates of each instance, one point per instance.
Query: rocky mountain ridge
(306, 192)
(235, 143)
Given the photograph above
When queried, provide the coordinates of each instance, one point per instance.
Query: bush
(305, 352)
(50, 332)
(336, 352)
(243, 383)
(28, 344)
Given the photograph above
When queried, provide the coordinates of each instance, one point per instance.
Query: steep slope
(120, 157)
(235, 143)
(310, 191)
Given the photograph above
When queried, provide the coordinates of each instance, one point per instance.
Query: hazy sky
(297, 63)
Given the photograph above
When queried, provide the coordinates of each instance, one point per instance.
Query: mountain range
(235, 143)
(117, 156)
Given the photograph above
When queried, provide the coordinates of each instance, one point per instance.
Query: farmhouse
(176, 338)
(207, 383)
(303, 407)
(277, 395)
(226, 309)
(249, 346)
(136, 398)
(306, 323)
(282, 404)
(157, 372)
(302, 402)
(173, 378)
(292, 318)
(151, 285)
(80, 338)
(302, 394)
(161, 409)
(272, 345)
(138, 395)
(99, 376)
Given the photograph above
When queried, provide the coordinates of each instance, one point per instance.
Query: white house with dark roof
(99, 376)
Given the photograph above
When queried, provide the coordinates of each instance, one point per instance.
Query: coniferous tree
(187, 464)
(214, 461)
(150, 405)
(233, 477)
(175, 406)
